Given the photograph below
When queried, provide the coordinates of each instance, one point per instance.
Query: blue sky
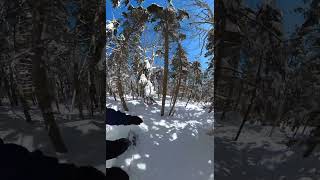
(192, 45)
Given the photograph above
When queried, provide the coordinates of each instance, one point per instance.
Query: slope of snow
(174, 147)
(256, 155)
(83, 138)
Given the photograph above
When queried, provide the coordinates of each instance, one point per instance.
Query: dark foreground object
(116, 173)
(118, 118)
(119, 146)
(116, 148)
(17, 163)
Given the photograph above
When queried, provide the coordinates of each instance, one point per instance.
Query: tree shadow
(168, 146)
(252, 158)
(84, 139)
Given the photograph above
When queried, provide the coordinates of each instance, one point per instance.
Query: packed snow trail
(175, 147)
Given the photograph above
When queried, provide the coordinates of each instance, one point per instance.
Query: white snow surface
(82, 137)
(148, 66)
(143, 79)
(110, 26)
(149, 89)
(256, 155)
(175, 147)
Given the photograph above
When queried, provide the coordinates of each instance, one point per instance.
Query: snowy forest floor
(83, 138)
(257, 156)
(168, 147)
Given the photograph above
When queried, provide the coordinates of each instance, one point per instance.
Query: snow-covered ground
(175, 147)
(83, 138)
(256, 155)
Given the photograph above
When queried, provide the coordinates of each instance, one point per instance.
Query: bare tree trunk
(132, 90)
(188, 99)
(120, 91)
(251, 101)
(39, 76)
(7, 87)
(77, 93)
(176, 92)
(165, 71)
(26, 108)
(13, 89)
(245, 118)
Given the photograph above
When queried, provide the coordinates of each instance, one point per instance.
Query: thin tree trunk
(120, 91)
(188, 99)
(120, 88)
(176, 92)
(244, 118)
(26, 108)
(251, 101)
(165, 71)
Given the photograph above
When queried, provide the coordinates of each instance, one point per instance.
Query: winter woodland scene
(52, 84)
(226, 89)
(266, 89)
(159, 69)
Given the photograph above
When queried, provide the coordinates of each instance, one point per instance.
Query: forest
(52, 77)
(159, 58)
(266, 82)
(132, 53)
(257, 93)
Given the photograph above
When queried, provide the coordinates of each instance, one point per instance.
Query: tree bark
(39, 76)
(166, 69)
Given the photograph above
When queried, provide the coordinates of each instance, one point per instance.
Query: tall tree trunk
(103, 89)
(121, 95)
(25, 107)
(176, 92)
(77, 95)
(120, 88)
(165, 71)
(245, 118)
(7, 87)
(39, 76)
(13, 89)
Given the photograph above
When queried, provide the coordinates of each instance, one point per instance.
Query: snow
(143, 79)
(175, 147)
(110, 26)
(256, 155)
(149, 89)
(148, 66)
(82, 137)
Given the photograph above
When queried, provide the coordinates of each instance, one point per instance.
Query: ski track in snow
(174, 147)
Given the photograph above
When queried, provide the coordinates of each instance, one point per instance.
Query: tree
(180, 63)
(133, 26)
(40, 76)
(168, 23)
